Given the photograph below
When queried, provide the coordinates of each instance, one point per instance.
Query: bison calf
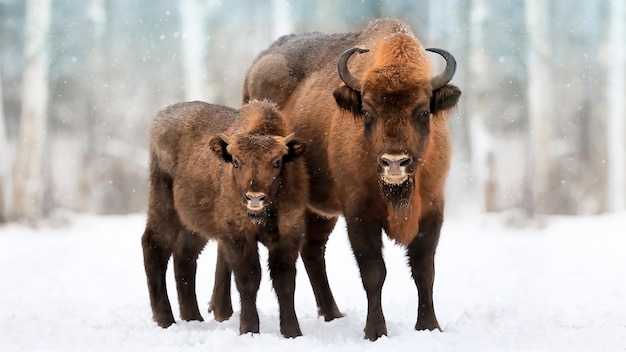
(230, 175)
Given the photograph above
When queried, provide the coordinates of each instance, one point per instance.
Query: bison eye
(423, 117)
(276, 164)
(368, 118)
(235, 164)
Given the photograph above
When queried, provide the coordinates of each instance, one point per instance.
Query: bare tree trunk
(477, 93)
(540, 104)
(193, 17)
(616, 92)
(28, 180)
(89, 193)
(4, 159)
(282, 23)
(446, 18)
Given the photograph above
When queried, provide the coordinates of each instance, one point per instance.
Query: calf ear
(444, 98)
(218, 146)
(348, 99)
(296, 148)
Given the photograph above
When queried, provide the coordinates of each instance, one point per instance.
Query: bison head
(396, 99)
(256, 162)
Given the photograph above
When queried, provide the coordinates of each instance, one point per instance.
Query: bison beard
(267, 221)
(398, 196)
(260, 217)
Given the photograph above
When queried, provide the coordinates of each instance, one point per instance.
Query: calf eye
(276, 164)
(423, 116)
(235, 164)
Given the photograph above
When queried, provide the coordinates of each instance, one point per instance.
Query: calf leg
(188, 247)
(243, 257)
(221, 304)
(421, 253)
(317, 231)
(366, 241)
(155, 258)
(282, 266)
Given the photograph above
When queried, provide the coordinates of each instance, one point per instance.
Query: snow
(559, 288)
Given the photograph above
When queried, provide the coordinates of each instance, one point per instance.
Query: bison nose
(255, 200)
(395, 164)
(396, 168)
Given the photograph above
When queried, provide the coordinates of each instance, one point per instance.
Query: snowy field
(560, 288)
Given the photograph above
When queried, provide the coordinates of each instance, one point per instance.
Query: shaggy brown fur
(380, 149)
(230, 175)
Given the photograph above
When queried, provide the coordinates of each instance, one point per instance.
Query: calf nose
(255, 199)
(395, 164)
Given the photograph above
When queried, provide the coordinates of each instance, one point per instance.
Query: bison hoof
(164, 322)
(165, 325)
(221, 315)
(425, 324)
(249, 327)
(251, 331)
(335, 314)
(374, 333)
(193, 318)
(291, 332)
(190, 314)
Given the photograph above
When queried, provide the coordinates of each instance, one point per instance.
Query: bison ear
(348, 99)
(218, 146)
(296, 148)
(444, 98)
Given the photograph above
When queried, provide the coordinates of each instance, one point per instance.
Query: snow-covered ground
(560, 288)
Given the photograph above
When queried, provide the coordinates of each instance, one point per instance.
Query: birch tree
(477, 95)
(583, 118)
(282, 23)
(195, 40)
(28, 174)
(4, 159)
(88, 190)
(540, 102)
(616, 93)
(447, 28)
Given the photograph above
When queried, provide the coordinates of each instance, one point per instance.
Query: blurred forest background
(539, 129)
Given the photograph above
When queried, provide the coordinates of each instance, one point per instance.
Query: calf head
(396, 99)
(255, 164)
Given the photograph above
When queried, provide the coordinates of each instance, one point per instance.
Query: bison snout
(255, 200)
(396, 168)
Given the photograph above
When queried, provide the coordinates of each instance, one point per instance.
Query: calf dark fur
(234, 176)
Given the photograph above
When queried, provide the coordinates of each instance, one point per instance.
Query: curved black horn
(445, 77)
(346, 76)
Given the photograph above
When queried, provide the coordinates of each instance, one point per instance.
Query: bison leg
(282, 267)
(366, 241)
(317, 231)
(421, 253)
(243, 258)
(155, 259)
(221, 304)
(188, 248)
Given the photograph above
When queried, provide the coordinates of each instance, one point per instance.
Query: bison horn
(346, 76)
(285, 139)
(445, 77)
(225, 138)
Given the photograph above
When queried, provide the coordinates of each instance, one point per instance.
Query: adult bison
(230, 175)
(379, 147)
